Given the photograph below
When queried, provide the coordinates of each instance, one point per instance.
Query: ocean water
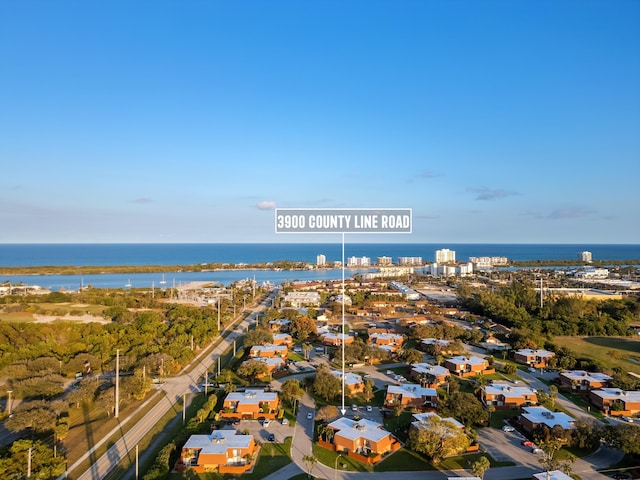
(191, 254)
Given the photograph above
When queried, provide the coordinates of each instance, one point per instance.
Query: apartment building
(411, 395)
(223, 451)
(250, 404)
(581, 381)
(533, 358)
(506, 396)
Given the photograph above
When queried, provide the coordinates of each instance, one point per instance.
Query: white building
(358, 262)
(385, 261)
(585, 257)
(445, 256)
(301, 299)
(593, 272)
(321, 260)
(410, 261)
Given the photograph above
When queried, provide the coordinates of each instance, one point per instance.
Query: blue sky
(495, 121)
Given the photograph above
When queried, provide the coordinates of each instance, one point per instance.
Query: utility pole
(116, 412)
(29, 463)
(9, 392)
(184, 408)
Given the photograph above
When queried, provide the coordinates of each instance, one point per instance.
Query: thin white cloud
(266, 205)
(485, 193)
(571, 212)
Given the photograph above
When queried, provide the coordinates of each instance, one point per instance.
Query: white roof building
(218, 442)
(544, 416)
(552, 475)
(252, 396)
(363, 428)
(419, 420)
(349, 378)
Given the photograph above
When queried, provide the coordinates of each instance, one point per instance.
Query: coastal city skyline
(495, 122)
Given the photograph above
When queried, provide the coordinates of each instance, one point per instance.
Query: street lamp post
(335, 470)
(9, 392)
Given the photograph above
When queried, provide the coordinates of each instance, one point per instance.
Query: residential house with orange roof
(363, 439)
(250, 404)
(269, 350)
(507, 396)
(387, 341)
(467, 366)
(615, 401)
(582, 381)
(534, 358)
(353, 383)
(411, 395)
(430, 376)
(223, 451)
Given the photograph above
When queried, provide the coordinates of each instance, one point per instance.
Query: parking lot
(260, 432)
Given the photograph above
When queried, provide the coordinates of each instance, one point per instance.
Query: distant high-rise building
(410, 261)
(445, 256)
(385, 261)
(358, 262)
(321, 260)
(585, 256)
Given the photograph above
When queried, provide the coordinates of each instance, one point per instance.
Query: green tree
(257, 336)
(326, 385)
(438, 439)
(291, 391)
(252, 369)
(310, 462)
(464, 407)
(302, 327)
(480, 466)
(412, 356)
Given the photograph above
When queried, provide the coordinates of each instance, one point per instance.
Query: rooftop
(252, 396)
(546, 417)
(508, 390)
(218, 442)
(411, 390)
(535, 353)
(361, 429)
(618, 394)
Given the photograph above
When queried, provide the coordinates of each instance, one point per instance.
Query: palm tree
(310, 462)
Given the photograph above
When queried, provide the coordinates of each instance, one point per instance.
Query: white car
(310, 416)
(266, 422)
(508, 428)
(369, 408)
(285, 421)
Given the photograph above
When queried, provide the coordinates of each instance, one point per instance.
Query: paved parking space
(374, 415)
(260, 432)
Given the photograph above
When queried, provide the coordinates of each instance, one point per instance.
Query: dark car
(271, 437)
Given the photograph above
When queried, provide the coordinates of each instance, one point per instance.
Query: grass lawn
(273, 456)
(403, 460)
(623, 352)
(581, 402)
(499, 416)
(465, 461)
(328, 458)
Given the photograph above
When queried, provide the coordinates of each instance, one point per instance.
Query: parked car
(627, 419)
(508, 428)
(369, 408)
(354, 407)
(537, 451)
(528, 443)
(271, 437)
(310, 416)
(266, 422)
(285, 421)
